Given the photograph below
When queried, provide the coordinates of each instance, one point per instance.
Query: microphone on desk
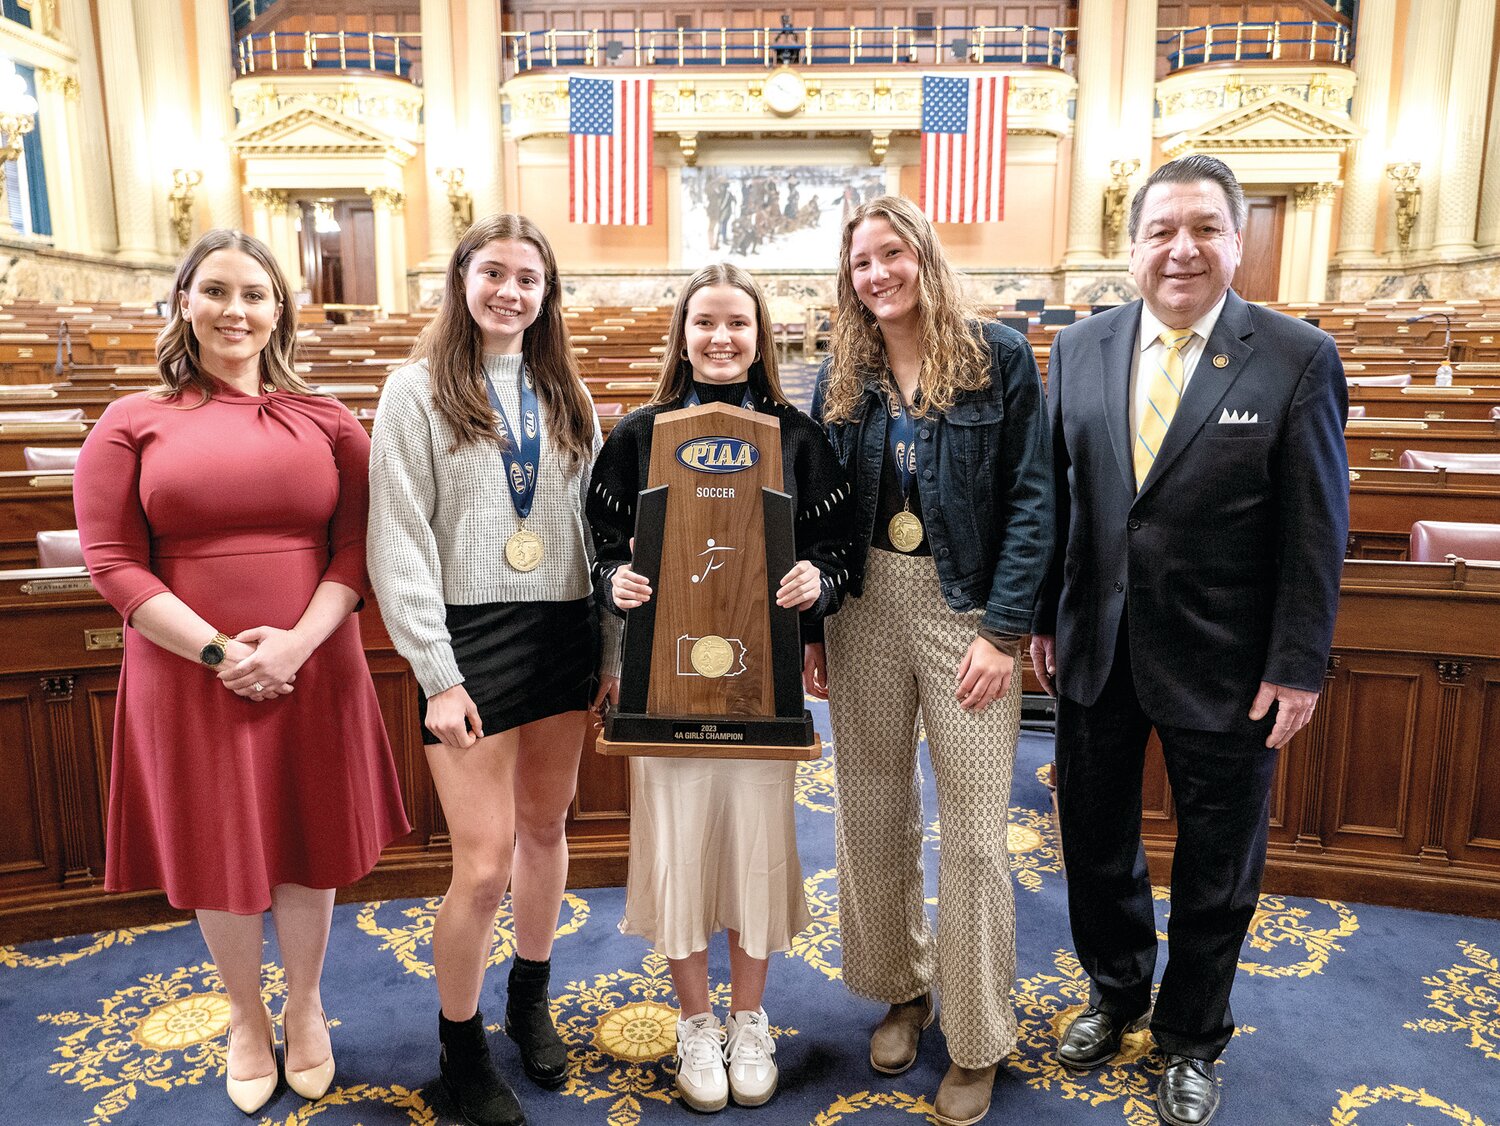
(1444, 374)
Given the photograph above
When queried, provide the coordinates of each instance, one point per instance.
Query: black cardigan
(811, 474)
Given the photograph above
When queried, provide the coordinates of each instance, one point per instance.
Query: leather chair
(1495, 412)
(59, 549)
(1378, 380)
(609, 410)
(59, 414)
(1432, 541)
(50, 457)
(1357, 411)
(1459, 463)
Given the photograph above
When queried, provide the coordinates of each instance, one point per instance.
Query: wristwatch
(213, 653)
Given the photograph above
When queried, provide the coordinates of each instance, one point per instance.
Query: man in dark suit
(1202, 511)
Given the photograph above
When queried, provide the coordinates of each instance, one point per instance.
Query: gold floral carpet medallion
(848, 1106)
(1346, 1112)
(1045, 1004)
(818, 943)
(621, 1034)
(415, 1108)
(1297, 939)
(1468, 994)
(165, 1031)
(14, 959)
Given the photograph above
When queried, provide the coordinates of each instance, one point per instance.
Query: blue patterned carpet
(1352, 1016)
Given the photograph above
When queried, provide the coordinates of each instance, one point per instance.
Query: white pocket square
(1230, 416)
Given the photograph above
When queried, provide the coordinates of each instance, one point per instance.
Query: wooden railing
(380, 51)
(1300, 41)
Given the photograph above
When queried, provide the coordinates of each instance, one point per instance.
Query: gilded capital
(56, 82)
(386, 199)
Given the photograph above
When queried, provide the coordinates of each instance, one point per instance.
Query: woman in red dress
(223, 514)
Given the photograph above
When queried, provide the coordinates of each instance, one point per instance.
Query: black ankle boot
(528, 1021)
(483, 1097)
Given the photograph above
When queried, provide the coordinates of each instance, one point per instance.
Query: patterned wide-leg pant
(894, 652)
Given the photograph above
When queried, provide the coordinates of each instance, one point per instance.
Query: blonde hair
(177, 357)
(677, 373)
(954, 357)
(453, 347)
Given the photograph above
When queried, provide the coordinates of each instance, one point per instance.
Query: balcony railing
(379, 51)
(1303, 41)
(800, 46)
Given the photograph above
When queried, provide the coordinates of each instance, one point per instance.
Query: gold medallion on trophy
(712, 656)
(905, 530)
(523, 551)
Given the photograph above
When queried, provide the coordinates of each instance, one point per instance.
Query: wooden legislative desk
(1385, 503)
(1391, 794)
(59, 670)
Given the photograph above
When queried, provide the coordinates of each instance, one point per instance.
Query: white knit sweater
(439, 522)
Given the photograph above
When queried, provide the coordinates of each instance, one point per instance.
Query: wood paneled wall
(1177, 13)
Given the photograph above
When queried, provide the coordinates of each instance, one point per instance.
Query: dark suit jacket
(1228, 560)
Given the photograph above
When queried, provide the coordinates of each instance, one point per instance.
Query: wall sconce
(460, 202)
(17, 116)
(1408, 198)
(184, 181)
(1120, 172)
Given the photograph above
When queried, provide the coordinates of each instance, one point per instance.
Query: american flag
(963, 149)
(609, 155)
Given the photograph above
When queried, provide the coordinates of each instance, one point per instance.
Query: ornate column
(129, 150)
(1365, 181)
(390, 259)
(1132, 134)
(57, 103)
(95, 204)
(1296, 245)
(1092, 121)
(1320, 248)
(440, 128)
(1424, 111)
(1489, 191)
(1451, 690)
(283, 240)
(1463, 135)
(161, 47)
(482, 108)
(261, 202)
(220, 191)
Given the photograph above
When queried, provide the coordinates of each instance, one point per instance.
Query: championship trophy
(712, 667)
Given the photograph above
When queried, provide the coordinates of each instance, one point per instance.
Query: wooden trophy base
(745, 737)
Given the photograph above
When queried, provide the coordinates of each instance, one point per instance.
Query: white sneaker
(701, 1080)
(752, 1070)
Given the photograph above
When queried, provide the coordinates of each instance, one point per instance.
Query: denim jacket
(984, 473)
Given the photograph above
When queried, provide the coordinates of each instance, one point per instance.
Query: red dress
(239, 507)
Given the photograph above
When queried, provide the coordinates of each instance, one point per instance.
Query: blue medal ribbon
(523, 452)
(901, 440)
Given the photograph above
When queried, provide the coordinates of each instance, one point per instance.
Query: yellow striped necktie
(1165, 394)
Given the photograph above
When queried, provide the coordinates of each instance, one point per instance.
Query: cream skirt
(713, 846)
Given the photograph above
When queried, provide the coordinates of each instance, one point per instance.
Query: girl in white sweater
(480, 557)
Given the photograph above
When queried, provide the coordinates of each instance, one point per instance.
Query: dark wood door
(1259, 275)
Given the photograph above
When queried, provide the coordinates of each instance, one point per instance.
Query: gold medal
(523, 551)
(905, 530)
(712, 656)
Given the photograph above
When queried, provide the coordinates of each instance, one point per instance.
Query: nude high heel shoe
(252, 1094)
(313, 1083)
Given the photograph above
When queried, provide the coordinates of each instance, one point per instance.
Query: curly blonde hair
(177, 357)
(954, 357)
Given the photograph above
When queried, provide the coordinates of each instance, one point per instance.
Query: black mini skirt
(523, 661)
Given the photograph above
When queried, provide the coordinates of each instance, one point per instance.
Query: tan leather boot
(963, 1096)
(893, 1044)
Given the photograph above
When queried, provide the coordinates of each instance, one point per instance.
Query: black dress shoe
(1188, 1093)
(1094, 1038)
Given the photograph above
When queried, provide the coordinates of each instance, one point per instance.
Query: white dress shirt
(1148, 343)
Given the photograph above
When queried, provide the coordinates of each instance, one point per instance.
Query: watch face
(211, 654)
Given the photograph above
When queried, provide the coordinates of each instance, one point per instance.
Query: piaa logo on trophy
(718, 454)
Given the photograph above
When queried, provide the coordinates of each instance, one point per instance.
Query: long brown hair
(177, 356)
(954, 357)
(677, 373)
(453, 347)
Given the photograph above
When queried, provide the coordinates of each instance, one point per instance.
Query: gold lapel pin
(1221, 361)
